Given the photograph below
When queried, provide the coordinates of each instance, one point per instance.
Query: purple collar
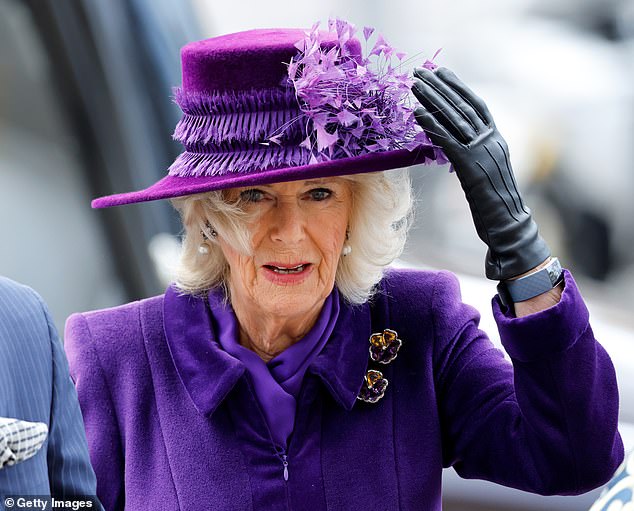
(276, 383)
(209, 373)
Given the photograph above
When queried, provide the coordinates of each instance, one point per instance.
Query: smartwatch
(531, 285)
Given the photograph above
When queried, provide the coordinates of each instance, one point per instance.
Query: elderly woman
(288, 367)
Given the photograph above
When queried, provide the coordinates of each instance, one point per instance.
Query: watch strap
(531, 285)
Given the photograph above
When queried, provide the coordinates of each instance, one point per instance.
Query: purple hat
(274, 105)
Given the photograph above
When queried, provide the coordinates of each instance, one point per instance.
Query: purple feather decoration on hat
(334, 103)
(357, 104)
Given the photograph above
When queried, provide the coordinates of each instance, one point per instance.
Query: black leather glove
(459, 122)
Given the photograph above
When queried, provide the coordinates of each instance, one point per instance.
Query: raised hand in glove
(458, 121)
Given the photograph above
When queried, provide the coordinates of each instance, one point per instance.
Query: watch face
(554, 271)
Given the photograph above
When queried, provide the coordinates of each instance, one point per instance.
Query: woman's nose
(288, 223)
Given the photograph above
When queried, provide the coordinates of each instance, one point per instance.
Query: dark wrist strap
(529, 286)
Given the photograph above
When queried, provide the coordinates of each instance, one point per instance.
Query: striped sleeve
(70, 471)
(35, 386)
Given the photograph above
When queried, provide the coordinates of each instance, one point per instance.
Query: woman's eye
(320, 194)
(252, 195)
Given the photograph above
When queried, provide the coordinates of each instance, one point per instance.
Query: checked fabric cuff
(19, 440)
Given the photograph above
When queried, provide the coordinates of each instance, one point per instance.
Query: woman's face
(297, 232)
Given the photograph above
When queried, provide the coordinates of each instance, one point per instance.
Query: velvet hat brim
(175, 186)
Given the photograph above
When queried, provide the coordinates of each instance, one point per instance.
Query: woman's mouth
(287, 273)
(285, 270)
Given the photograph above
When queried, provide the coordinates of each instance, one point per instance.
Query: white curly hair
(381, 214)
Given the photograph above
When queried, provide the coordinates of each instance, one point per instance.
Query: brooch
(384, 347)
(374, 385)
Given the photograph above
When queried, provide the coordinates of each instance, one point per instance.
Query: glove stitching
(496, 191)
(474, 208)
(503, 181)
(508, 164)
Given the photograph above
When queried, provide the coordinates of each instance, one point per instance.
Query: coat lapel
(342, 363)
(205, 369)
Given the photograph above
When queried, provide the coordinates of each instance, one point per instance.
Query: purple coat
(172, 422)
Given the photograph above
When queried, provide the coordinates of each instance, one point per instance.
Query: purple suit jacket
(172, 421)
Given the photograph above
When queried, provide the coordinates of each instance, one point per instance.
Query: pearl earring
(347, 248)
(204, 248)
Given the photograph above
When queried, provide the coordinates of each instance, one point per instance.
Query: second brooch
(374, 385)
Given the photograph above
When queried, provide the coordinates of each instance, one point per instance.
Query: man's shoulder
(21, 309)
(9, 286)
(16, 295)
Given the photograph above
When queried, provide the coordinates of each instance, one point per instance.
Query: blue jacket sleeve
(546, 423)
(70, 471)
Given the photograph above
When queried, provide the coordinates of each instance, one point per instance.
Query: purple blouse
(277, 382)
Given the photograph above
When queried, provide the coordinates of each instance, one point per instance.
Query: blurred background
(85, 110)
